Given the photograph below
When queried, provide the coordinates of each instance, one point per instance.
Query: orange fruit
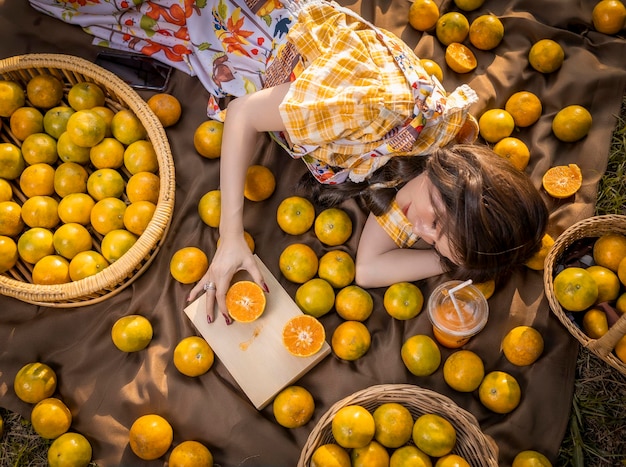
(131, 333)
(8, 253)
(452, 460)
(143, 186)
(469, 5)
(330, 455)
(298, 263)
(608, 16)
(575, 289)
(260, 183)
(11, 161)
(537, 261)
(303, 335)
(486, 32)
(107, 215)
(70, 239)
(432, 68)
(293, 407)
(116, 243)
(188, 264)
(11, 223)
(608, 283)
(51, 270)
(409, 456)
(354, 303)
(420, 355)
(68, 151)
(499, 392)
(486, 288)
(353, 426)
(26, 121)
(70, 177)
(55, 120)
(620, 349)
(530, 458)
(140, 156)
(207, 139)
(525, 108)
(522, 345)
(337, 267)
(621, 271)
(423, 14)
(562, 181)
(452, 27)
(460, 58)
(620, 304)
(34, 382)
(166, 107)
(546, 56)
(463, 371)
(333, 226)
(394, 424)
(85, 95)
(434, 435)
(76, 207)
(514, 150)
(127, 128)
(210, 208)
(85, 128)
(107, 115)
(12, 97)
(39, 148)
(403, 300)
(107, 154)
(138, 215)
(190, 454)
(150, 436)
(371, 455)
(87, 263)
(495, 124)
(351, 340)
(70, 449)
(50, 418)
(44, 91)
(41, 211)
(609, 250)
(572, 123)
(295, 215)
(193, 356)
(105, 183)
(315, 297)
(6, 191)
(595, 323)
(245, 301)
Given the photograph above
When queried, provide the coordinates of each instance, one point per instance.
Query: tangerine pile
(79, 179)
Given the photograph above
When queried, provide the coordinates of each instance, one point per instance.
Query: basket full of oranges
(86, 181)
(394, 422)
(585, 282)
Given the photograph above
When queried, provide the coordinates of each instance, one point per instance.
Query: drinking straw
(453, 298)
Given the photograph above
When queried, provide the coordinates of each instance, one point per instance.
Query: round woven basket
(472, 444)
(71, 70)
(591, 228)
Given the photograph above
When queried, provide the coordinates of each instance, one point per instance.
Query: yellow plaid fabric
(397, 226)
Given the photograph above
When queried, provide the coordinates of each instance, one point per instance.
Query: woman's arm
(246, 117)
(380, 263)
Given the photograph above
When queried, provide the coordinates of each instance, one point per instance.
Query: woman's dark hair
(493, 215)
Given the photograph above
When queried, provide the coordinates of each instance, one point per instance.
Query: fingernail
(266, 288)
(209, 319)
(227, 319)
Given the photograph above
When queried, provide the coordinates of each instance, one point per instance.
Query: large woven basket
(478, 449)
(17, 281)
(590, 228)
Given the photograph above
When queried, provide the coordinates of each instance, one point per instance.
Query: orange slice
(303, 335)
(460, 58)
(245, 301)
(562, 181)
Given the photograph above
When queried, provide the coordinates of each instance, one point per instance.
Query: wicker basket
(472, 444)
(591, 228)
(17, 281)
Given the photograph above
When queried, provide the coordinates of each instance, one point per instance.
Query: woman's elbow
(364, 275)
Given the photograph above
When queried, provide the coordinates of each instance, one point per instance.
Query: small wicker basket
(471, 444)
(590, 228)
(70, 70)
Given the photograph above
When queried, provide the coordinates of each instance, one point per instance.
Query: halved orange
(245, 301)
(303, 335)
(460, 58)
(562, 181)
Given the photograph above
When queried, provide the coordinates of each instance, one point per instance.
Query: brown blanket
(107, 390)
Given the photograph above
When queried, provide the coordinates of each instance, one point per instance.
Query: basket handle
(605, 344)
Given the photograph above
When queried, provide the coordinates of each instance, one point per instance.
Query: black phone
(138, 71)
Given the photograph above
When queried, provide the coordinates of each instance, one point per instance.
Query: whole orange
(333, 226)
(463, 371)
(353, 426)
(86, 128)
(420, 355)
(51, 418)
(70, 239)
(423, 14)
(11, 161)
(85, 95)
(193, 356)
(150, 436)
(51, 270)
(127, 128)
(575, 289)
(525, 108)
(116, 243)
(409, 456)
(107, 154)
(210, 208)
(434, 434)
(432, 68)
(188, 264)
(76, 207)
(259, 184)
(315, 297)
(190, 454)
(140, 156)
(371, 455)
(500, 392)
(620, 349)
(207, 139)
(34, 382)
(143, 186)
(595, 323)
(138, 215)
(26, 121)
(87, 263)
(105, 183)
(12, 97)
(40, 148)
(403, 300)
(69, 151)
(8, 253)
(572, 123)
(166, 107)
(452, 460)
(70, 177)
(11, 222)
(608, 282)
(621, 271)
(6, 190)
(531, 458)
(522, 345)
(337, 267)
(330, 455)
(351, 340)
(293, 407)
(354, 303)
(107, 215)
(608, 16)
(394, 424)
(131, 333)
(298, 263)
(537, 261)
(295, 215)
(514, 150)
(55, 120)
(37, 179)
(546, 56)
(452, 27)
(70, 449)
(486, 32)
(609, 250)
(495, 124)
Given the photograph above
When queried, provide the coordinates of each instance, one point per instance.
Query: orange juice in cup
(459, 315)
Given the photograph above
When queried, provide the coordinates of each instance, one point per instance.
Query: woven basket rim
(590, 227)
(407, 394)
(125, 270)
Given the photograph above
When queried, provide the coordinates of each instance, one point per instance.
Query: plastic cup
(454, 326)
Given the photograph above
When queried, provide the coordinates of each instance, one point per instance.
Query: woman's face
(417, 200)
